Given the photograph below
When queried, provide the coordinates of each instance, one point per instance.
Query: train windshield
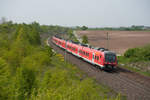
(110, 57)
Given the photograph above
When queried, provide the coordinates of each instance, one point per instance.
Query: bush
(24, 83)
(4, 80)
(138, 54)
(84, 39)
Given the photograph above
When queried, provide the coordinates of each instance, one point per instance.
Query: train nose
(110, 63)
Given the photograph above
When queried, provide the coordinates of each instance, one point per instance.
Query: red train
(96, 56)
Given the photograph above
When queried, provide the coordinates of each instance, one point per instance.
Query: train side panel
(93, 56)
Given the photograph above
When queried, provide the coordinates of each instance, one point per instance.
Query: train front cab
(110, 59)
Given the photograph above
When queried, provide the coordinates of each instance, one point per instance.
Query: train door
(78, 51)
(93, 57)
(90, 55)
(96, 60)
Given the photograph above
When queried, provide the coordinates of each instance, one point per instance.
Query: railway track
(134, 86)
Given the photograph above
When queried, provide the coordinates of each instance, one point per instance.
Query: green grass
(127, 61)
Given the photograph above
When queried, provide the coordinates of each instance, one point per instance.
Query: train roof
(87, 46)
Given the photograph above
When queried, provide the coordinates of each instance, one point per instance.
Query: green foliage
(84, 39)
(34, 36)
(137, 60)
(131, 28)
(24, 82)
(31, 71)
(70, 34)
(4, 80)
(84, 28)
(138, 54)
(38, 61)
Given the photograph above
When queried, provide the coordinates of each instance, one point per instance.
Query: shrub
(4, 80)
(24, 83)
(138, 54)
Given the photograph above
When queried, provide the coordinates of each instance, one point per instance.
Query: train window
(80, 51)
(97, 58)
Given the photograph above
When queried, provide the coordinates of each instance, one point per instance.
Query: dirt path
(134, 86)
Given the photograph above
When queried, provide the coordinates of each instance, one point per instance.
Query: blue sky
(92, 13)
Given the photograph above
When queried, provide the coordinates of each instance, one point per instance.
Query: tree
(84, 39)
(4, 80)
(34, 37)
(3, 20)
(84, 28)
(70, 33)
(24, 83)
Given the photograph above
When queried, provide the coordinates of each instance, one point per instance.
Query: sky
(91, 13)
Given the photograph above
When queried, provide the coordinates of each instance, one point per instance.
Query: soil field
(119, 41)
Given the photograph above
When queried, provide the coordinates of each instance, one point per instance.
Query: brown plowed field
(119, 41)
